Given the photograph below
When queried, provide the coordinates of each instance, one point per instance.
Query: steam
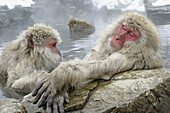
(11, 3)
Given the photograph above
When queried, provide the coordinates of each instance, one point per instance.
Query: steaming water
(78, 46)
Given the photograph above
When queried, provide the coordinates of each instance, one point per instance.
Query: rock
(121, 89)
(156, 100)
(20, 13)
(11, 106)
(160, 15)
(3, 8)
(3, 20)
(104, 10)
(17, 15)
(78, 99)
(31, 108)
(160, 18)
(113, 95)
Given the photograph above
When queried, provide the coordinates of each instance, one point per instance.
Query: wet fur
(24, 65)
(80, 26)
(103, 61)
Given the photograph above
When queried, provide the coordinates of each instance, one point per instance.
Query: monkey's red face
(122, 35)
(52, 46)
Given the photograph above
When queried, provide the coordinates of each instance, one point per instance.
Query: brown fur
(103, 61)
(24, 65)
(80, 26)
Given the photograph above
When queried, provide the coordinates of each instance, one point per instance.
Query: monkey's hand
(52, 92)
(59, 81)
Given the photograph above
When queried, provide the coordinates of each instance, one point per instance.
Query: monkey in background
(29, 58)
(131, 42)
(81, 26)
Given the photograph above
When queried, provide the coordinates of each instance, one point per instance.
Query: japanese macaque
(82, 26)
(26, 60)
(130, 43)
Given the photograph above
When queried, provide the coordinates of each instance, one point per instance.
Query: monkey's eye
(131, 34)
(124, 27)
(54, 44)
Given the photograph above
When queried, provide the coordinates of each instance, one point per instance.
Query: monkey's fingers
(60, 104)
(51, 98)
(43, 99)
(42, 89)
(34, 92)
(49, 108)
(66, 97)
(55, 107)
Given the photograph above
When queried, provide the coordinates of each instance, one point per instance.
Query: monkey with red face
(28, 59)
(131, 42)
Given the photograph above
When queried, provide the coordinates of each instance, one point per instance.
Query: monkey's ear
(30, 43)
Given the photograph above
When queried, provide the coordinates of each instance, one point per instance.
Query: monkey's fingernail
(61, 111)
(67, 101)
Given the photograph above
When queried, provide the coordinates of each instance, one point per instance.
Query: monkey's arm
(79, 70)
(27, 82)
(73, 72)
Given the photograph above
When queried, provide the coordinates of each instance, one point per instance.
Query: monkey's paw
(55, 103)
(46, 93)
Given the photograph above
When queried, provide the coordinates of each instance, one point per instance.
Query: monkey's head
(72, 24)
(148, 34)
(38, 34)
(42, 39)
(132, 29)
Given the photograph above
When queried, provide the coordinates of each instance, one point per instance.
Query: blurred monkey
(81, 26)
(130, 43)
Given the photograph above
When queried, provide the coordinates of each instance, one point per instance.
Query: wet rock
(11, 106)
(115, 94)
(79, 97)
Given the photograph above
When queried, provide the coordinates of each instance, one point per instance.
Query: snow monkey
(131, 42)
(30, 57)
(82, 26)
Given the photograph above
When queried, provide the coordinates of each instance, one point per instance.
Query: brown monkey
(26, 60)
(82, 26)
(131, 42)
